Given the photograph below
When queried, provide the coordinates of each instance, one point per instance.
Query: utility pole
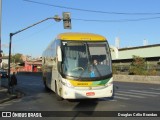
(0, 32)
(0, 36)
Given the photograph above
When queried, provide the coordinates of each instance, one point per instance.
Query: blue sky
(18, 14)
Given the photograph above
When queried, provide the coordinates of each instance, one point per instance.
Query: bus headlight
(67, 83)
(109, 83)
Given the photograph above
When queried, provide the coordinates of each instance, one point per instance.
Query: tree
(138, 66)
(17, 58)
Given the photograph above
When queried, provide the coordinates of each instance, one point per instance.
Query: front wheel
(59, 98)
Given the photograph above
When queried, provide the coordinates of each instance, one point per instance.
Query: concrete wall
(137, 79)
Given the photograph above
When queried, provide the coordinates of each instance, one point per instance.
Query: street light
(56, 18)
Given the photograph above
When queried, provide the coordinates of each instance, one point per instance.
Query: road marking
(124, 98)
(2, 108)
(5, 104)
(145, 92)
(136, 96)
(16, 100)
(154, 89)
(107, 99)
(3, 90)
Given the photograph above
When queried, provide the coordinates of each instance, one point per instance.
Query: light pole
(0, 23)
(56, 18)
(0, 37)
(0, 32)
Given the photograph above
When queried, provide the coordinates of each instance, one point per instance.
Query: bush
(114, 70)
(137, 66)
(152, 72)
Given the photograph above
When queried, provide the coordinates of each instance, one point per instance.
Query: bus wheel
(46, 87)
(59, 98)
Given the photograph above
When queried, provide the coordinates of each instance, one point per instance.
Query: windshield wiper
(97, 70)
(83, 72)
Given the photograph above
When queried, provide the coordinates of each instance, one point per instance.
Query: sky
(132, 21)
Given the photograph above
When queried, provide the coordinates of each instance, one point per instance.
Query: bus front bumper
(73, 93)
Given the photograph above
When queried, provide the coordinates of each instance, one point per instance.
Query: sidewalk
(4, 95)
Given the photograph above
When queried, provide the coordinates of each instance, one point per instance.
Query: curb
(18, 94)
(8, 99)
(137, 79)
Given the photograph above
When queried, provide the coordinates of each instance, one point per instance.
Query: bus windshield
(86, 59)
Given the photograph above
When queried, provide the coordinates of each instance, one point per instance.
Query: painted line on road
(123, 98)
(155, 89)
(107, 99)
(1, 108)
(136, 96)
(135, 93)
(145, 92)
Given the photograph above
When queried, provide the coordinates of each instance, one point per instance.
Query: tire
(112, 97)
(45, 85)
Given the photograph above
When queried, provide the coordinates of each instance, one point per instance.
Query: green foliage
(17, 58)
(152, 72)
(114, 70)
(138, 66)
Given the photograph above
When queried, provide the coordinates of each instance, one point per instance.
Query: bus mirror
(59, 54)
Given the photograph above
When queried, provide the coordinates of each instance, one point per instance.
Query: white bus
(78, 66)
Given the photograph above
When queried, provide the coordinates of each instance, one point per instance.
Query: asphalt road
(128, 97)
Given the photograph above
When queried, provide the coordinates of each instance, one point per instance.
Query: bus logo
(90, 88)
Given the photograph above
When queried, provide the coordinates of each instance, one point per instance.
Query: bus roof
(81, 36)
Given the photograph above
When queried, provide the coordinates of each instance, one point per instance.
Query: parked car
(3, 74)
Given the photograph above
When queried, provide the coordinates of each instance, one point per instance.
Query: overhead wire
(104, 12)
(120, 20)
(87, 10)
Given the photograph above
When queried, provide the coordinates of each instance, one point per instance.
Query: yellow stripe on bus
(88, 83)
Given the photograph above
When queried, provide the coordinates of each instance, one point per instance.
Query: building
(33, 65)
(29, 65)
(151, 54)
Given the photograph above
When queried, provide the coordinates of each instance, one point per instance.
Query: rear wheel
(45, 84)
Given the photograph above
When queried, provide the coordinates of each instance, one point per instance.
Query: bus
(78, 66)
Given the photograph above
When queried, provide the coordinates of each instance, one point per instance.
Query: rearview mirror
(59, 54)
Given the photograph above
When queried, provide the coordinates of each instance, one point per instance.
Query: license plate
(90, 93)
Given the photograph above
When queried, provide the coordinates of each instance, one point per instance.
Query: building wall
(144, 51)
(150, 53)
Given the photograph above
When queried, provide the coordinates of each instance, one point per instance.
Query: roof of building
(139, 47)
(34, 62)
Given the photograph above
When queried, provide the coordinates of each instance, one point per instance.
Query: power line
(121, 20)
(94, 20)
(86, 10)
